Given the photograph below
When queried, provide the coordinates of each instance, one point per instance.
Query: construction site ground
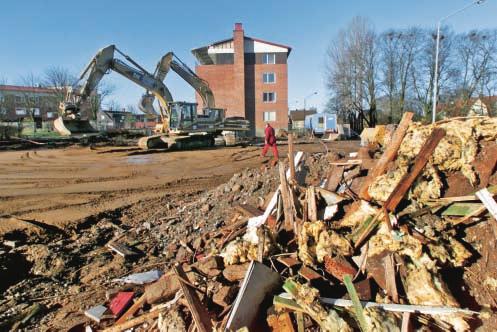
(59, 207)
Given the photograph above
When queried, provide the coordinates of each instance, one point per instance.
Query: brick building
(19, 103)
(249, 78)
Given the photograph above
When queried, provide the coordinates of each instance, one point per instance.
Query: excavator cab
(183, 116)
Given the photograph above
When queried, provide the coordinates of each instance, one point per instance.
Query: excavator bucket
(69, 127)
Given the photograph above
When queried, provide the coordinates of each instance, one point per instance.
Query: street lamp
(309, 96)
(435, 83)
(305, 104)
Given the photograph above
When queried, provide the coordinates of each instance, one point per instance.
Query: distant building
(321, 123)
(18, 103)
(485, 105)
(249, 78)
(297, 118)
(117, 119)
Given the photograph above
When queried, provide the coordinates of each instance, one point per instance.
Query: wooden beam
(389, 265)
(131, 311)
(199, 314)
(291, 157)
(388, 155)
(335, 174)
(133, 322)
(312, 211)
(285, 196)
(419, 163)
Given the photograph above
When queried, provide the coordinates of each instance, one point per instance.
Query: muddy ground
(61, 206)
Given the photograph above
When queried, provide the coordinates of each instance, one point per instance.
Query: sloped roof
(299, 115)
(18, 88)
(245, 37)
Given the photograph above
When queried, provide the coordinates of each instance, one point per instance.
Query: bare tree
(29, 98)
(3, 100)
(60, 80)
(97, 98)
(352, 73)
(476, 54)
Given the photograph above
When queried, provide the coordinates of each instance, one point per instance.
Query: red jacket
(270, 138)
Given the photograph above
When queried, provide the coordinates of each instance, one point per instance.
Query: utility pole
(435, 83)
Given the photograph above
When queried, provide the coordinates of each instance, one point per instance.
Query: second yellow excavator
(181, 126)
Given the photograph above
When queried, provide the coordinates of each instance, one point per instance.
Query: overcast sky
(39, 33)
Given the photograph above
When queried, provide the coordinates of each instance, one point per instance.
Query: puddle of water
(139, 160)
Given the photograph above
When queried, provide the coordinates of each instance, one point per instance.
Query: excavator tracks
(176, 142)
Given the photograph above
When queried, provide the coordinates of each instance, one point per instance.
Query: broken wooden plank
(234, 273)
(126, 325)
(309, 274)
(291, 157)
(338, 267)
(461, 209)
(285, 196)
(197, 309)
(335, 174)
(289, 261)
(285, 322)
(312, 210)
(349, 162)
(248, 210)
(121, 249)
(259, 220)
(419, 163)
(391, 288)
(470, 216)
(281, 323)
(387, 156)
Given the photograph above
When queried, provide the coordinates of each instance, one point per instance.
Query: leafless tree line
(375, 77)
(59, 79)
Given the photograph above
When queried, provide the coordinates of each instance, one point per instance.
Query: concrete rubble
(326, 237)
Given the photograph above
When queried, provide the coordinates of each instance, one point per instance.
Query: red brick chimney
(239, 70)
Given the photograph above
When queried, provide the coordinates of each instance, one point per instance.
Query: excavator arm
(101, 64)
(171, 61)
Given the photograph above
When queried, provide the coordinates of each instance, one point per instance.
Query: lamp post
(305, 104)
(309, 96)
(435, 82)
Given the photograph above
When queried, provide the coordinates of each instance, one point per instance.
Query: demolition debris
(400, 235)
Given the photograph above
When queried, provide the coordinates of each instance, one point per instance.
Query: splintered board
(461, 209)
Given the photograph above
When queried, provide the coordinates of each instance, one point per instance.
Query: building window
(18, 99)
(20, 111)
(35, 111)
(269, 58)
(49, 115)
(269, 116)
(269, 97)
(269, 78)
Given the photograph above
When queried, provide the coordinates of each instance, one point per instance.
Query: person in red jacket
(270, 141)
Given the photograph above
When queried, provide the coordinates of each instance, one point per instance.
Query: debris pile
(329, 242)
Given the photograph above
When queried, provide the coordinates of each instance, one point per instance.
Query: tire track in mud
(70, 216)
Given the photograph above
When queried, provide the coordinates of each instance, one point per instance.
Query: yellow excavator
(180, 128)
